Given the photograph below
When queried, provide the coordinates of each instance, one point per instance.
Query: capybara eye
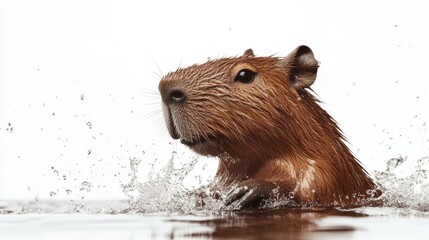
(245, 76)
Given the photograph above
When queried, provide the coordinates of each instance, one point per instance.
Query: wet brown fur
(272, 129)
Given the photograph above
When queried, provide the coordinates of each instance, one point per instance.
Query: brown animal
(268, 130)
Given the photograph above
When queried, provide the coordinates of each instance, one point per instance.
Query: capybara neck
(268, 130)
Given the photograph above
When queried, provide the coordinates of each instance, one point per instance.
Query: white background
(69, 65)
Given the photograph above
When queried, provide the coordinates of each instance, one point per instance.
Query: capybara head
(248, 107)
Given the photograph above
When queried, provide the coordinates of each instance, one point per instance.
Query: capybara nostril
(177, 95)
(171, 93)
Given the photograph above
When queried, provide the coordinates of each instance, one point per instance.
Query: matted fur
(271, 129)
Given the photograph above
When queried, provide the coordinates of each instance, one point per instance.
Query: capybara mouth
(196, 140)
(192, 142)
(207, 145)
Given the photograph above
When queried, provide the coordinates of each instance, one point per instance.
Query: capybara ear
(248, 53)
(302, 67)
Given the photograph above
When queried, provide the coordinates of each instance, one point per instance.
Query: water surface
(52, 221)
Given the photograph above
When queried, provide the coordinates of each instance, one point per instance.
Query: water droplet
(85, 185)
(9, 128)
(55, 170)
(394, 163)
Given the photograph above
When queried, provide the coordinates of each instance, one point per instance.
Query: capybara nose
(171, 95)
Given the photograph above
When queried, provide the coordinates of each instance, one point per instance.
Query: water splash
(405, 183)
(164, 193)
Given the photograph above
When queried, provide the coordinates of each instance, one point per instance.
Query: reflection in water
(270, 224)
(287, 223)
